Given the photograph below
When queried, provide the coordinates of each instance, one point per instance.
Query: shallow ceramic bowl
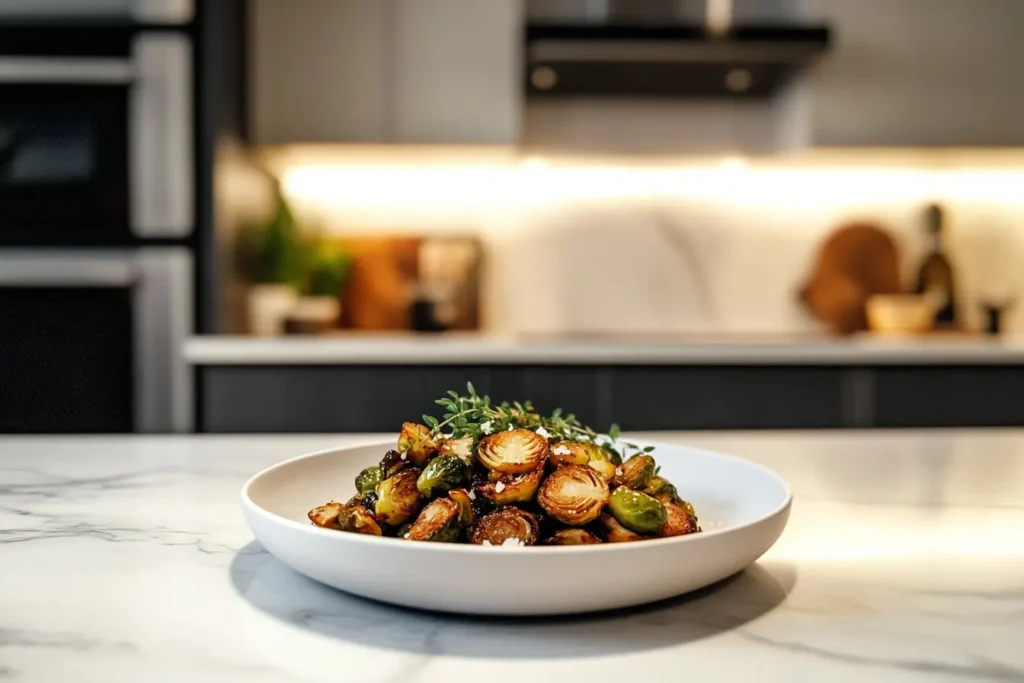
(743, 509)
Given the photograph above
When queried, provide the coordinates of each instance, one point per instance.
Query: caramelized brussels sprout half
(572, 453)
(512, 489)
(572, 537)
(465, 502)
(507, 526)
(513, 452)
(442, 474)
(416, 442)
(438, 522)
(574, 495)
(397, 497)
(637, 511)
(368, 479)
(359, 520)
(611, 455)
(392, 463)
(460, 448)
(616, 533)
(605, 468)
(678, 522)
(635, 472)
(326, 516)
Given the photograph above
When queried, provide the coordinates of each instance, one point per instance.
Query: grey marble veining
(127, 559)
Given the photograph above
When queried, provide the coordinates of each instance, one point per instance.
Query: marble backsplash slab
(709, 267)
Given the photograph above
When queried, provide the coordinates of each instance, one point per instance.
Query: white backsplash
(612, 248)
(698, 268)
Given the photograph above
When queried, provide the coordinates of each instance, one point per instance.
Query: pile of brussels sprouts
(505, 476)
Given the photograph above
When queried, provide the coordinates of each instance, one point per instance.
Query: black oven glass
(66, 359)
(63, 164)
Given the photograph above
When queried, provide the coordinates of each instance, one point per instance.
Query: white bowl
(743, 509)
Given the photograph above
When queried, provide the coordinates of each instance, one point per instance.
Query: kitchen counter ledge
(127, 558)
(465, 349)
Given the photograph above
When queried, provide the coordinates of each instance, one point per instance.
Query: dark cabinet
(311, 398)
(957, 396)
(379, 398)
(727, 397)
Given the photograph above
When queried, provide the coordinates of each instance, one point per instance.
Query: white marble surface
(126, 559)
(602, 350)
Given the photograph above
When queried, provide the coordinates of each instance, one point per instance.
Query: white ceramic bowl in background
(743, 509)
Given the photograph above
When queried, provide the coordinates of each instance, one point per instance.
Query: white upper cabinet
(386, 71)
(919, 73)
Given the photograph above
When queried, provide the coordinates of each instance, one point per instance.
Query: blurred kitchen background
(280, 216)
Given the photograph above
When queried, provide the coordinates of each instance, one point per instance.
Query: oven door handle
(59, 70)
(31, 269)
(161, 141)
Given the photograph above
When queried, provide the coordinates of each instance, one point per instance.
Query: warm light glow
(351, 192)
(734, 163)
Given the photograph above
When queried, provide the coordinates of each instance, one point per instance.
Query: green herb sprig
(475, 416)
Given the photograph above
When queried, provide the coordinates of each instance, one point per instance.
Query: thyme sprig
(475, 416)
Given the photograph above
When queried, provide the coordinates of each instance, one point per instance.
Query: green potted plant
(326, 270)
(270, 257)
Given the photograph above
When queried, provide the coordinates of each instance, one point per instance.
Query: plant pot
(268, 306)
(313, 315)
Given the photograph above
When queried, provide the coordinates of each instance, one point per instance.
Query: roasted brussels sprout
(616, 533)
(461, 448)
(397, 497)
(507, 526)
(442, 474)
(465, 502)
(513, 452)
(572, 537)
(326, 516)
(368, 479)
(605, 468)
(637, 511)
(612, 455)
(359, 520)
(635, 472)
(571, 453)
(677, 522)
(655, 484)
(438, 522)
(512, 489)
(399, 531)
(573, 494)
(392, 463)
(369, 500)
(416, 442)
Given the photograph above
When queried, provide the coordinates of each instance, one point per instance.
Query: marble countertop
(127, 559)
(456, 349)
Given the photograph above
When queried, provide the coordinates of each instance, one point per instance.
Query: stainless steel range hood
(652, 54)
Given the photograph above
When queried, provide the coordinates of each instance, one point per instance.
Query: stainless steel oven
(96, 135)
(92, 342)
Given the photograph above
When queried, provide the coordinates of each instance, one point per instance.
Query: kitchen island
(126, 558)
